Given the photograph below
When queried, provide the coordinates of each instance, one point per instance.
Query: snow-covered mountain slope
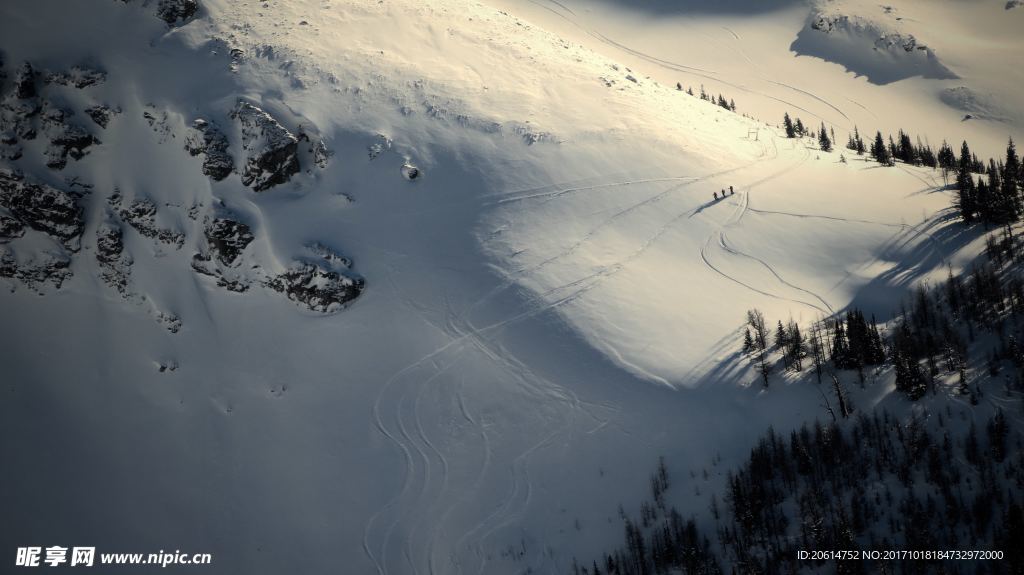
(844, 62)
(402, 287)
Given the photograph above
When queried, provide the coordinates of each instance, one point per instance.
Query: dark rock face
(174, 11)
(46, 268)
(68, 140)
(9, 147)
(321, 155)
(227, 239)
(114, 262)
(271, 149)
(78, 77)
(25, 82)
(317, 288)
(10, 229)
(42, 208)
(100, 115)
(207, 139)
(25, 114)
(141, 215)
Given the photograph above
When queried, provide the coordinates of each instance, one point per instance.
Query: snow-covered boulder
(410, 172)
(271, 150)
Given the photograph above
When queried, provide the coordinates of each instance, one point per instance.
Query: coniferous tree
(965, 185)
(823, 140)
(755, 319)
(1011, 174)
(879, 151)
(946, 157)
(801, 130)
(781, 337)
(787, 122)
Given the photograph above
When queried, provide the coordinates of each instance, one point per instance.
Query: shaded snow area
(427, 286)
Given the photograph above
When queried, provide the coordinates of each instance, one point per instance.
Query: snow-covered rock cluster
(43, 219)
(27, 112)
(207, 139)
(869, 42)
(270, 148)
(40, 229)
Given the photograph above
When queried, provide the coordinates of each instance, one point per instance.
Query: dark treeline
(986, 192)
(720, 101)
(870, 483)
(826, 137)
(932, 336)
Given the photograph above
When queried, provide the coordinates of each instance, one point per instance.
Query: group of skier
(717, 197)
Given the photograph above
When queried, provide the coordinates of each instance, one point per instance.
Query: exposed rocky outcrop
(10, 229)
(100, 114)
(316, 288)
(9, 147)
(170, 321)
(141, 215)
(78, 77)
(207, 139)
(42, 207)
(66, 138)
(317, 148)
(115, 264)
(271, 150)
(226, 239)
(25, 82)
(328, 255)
(176, 11)
(52, 268)
(159, 122)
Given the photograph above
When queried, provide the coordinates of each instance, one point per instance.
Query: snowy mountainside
(773, 57)
(236, 323)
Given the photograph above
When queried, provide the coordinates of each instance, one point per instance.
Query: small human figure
(730, 191)
(715, 194)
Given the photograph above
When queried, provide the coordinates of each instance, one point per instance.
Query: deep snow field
(552, 304)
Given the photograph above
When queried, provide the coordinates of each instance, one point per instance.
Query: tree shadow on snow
(935, 241)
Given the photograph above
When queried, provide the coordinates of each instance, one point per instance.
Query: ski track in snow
(515, 503)
(734, 220)
(461, 331)
(700, 72)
